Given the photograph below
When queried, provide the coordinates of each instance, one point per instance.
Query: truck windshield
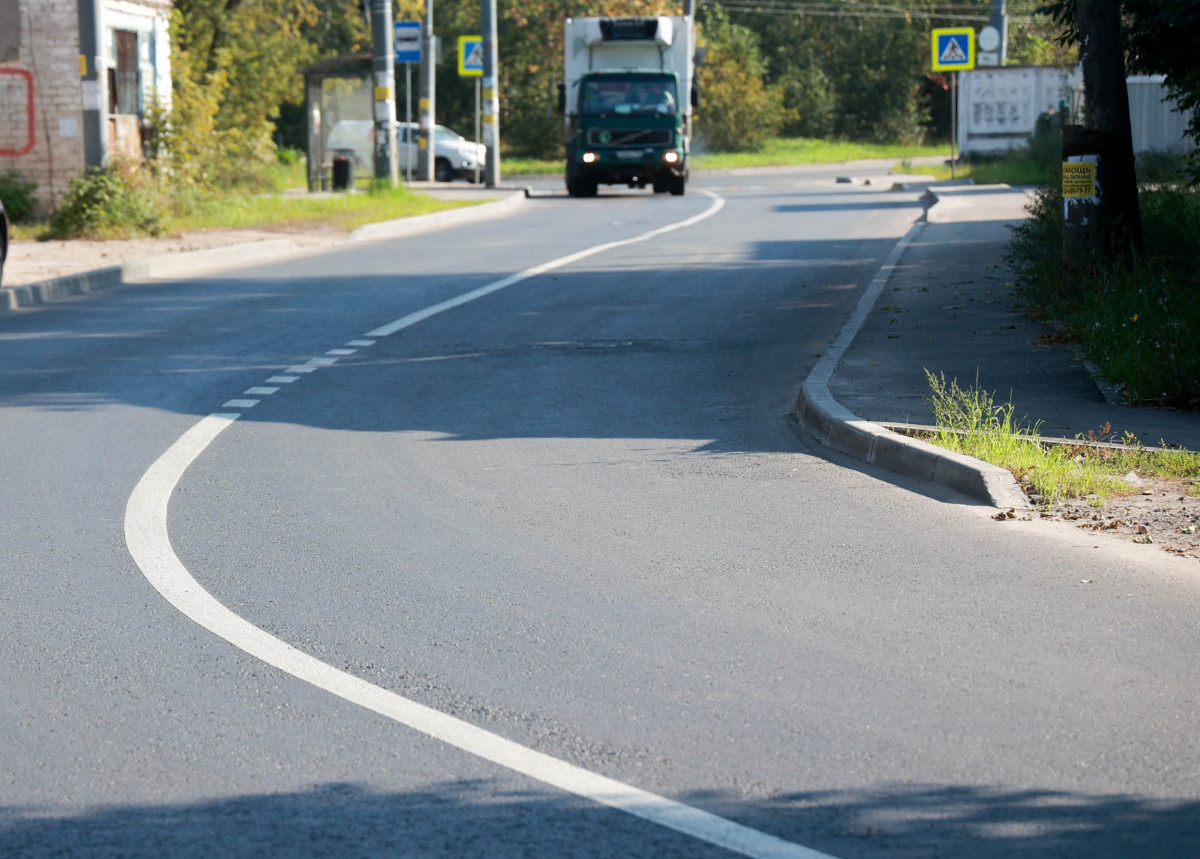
(629, 96)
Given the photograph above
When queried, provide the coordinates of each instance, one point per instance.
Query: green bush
(17, 194)
(102, 204)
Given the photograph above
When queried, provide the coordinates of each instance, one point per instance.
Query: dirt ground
(33, 262)
(1161, 513)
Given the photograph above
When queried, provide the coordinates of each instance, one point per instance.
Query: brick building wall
(41, 106)
(41, 97)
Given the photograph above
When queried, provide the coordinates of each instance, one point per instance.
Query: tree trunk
(1117, 237)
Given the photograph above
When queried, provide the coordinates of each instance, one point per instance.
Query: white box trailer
(628, 93)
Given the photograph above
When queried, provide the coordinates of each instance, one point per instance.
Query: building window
(124, 85)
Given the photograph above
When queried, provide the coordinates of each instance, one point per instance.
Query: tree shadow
(590, 354)
(490, 818)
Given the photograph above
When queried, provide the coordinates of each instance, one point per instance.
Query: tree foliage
(738, 111)
(232, 63)
(855, 77)
(1161, 38)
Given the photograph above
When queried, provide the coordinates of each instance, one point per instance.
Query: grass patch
(970, 421)
(532, 166)
(778, 152)
(341, 211)
(783, 152)
(1016, 170)
(118, 208)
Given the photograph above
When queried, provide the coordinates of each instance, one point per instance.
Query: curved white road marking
(149, 542)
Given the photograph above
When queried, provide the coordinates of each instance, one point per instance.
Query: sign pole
(426, 106)
(953, 120)
(491, 84)
(478, 82)
(383, 64)
(953, 51)
(408, 129)
(409, 50)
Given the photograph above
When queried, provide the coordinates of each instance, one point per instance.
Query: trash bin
(343, 170)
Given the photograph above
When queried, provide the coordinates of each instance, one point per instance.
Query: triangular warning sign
(952, 53)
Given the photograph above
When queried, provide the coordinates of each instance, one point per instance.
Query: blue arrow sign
(408, 41)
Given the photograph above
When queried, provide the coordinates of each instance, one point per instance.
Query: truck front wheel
(677, 186)
(582, 186)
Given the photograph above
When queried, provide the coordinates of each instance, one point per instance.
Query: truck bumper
(651, 167)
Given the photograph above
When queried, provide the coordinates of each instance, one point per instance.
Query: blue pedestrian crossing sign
(470, 56)
(953, 49)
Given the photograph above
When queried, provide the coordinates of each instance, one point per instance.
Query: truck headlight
(671, 157)
(590, 158)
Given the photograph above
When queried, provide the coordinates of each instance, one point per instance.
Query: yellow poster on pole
(1078, 179)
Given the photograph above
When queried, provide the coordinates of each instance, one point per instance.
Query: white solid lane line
(149, 542)
(421, 315)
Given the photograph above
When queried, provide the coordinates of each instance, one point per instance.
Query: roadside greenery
(774, 152)
(783, 152)
(1139, 324)
(1017, 170)
(17, 194)
(971, 422)
(127, 203)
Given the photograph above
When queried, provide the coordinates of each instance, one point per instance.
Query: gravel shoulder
(1162, 513)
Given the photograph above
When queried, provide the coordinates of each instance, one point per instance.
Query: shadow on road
(475, 819)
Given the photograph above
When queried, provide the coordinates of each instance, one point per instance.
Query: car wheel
(442, 171)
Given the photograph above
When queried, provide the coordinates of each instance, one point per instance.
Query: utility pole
(491, 103)
(1107, 224)
(383, 64)
(93, 73)
(998, 20)
(426, 100)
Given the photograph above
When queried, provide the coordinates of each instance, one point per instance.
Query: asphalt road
(574, 513)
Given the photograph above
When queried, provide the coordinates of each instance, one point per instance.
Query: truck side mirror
(696, 94)
(562, 97)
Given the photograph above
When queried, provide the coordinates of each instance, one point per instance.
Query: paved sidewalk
(948, 306)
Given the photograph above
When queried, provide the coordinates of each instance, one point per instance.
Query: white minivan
(454, 155)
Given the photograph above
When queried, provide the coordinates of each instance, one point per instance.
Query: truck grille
(630, 137)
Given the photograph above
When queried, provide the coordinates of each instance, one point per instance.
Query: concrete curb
(191, 263)
(836, 427)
